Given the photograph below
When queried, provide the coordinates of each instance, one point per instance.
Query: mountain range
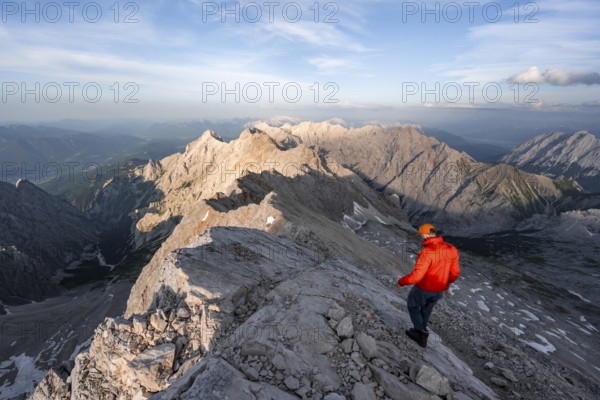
(275, 267)
(431, 180)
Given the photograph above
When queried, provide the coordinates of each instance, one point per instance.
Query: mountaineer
(436, 268)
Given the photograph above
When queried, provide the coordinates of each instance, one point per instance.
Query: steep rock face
(118, 205)
(432, 181)
(240, 318)
(559, 154)
(40, 234)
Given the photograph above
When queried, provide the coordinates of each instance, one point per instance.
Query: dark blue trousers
(420, 305)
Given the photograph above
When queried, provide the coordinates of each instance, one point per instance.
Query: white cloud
(565, 37)
(555, 77)
(319, 35)
(330, 65)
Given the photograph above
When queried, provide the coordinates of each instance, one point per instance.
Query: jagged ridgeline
(433, 181)
(261, 288)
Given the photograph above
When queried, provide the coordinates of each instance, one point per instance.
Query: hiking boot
(418, 336)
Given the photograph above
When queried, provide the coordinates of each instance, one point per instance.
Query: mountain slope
(559, 154)
(40, 234)
(431, 180)
(247, 320)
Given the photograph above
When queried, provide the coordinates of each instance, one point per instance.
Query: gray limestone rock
(368, 345)
(152, 367)
(360, 391)
(345, 328)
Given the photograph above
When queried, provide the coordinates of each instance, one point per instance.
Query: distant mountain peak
(575, 155)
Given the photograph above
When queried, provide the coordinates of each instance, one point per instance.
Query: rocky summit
(274, 282)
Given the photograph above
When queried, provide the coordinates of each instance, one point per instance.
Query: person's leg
(427, 308)
(415, 304)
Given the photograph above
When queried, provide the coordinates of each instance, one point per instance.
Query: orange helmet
(426, 229)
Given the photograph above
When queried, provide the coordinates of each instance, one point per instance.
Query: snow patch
(205, 216)
(545, 347)
(361, 216)
(78, 348)
(580, 296)
(270, 220)
(27, 377)
(482, 306)
(102, 261)
(565, 336)
(580, 328)
(532, 316)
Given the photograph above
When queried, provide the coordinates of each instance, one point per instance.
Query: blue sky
(369, 59)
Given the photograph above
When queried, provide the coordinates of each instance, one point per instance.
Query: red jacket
(436, 267)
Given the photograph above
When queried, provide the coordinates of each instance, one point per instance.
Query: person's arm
(421, 267)
(454, 269)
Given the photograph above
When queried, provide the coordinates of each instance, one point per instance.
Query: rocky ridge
(429, 179)
(268, 329)
(255, 183)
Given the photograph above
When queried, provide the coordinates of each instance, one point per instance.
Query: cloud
(565, 37)
(556, 77)
(329, 65)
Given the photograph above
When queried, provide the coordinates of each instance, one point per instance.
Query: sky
(369, 60)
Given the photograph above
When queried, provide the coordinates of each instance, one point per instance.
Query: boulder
(396, 390)
(152, 367)
(360, 391)
(430, 379)
(336, 312)
(345, 329)
(368, 345)
(292, 383)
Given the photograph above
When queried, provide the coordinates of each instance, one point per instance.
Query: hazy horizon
(449, 65)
